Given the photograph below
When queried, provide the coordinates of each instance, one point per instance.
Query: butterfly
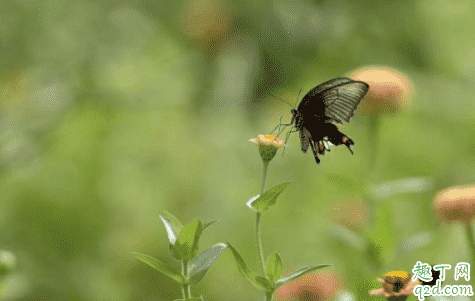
(331, 102)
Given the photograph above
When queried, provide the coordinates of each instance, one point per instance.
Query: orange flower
(317, 287)
(397, 285)
(389, 90)
(268, 146)
(456, 203)
(207, 23)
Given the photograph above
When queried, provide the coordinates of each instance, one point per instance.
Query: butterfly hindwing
(304, 139)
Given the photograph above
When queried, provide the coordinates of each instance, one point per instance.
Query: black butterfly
(334, 101)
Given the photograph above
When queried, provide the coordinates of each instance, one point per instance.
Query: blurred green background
(113, 111)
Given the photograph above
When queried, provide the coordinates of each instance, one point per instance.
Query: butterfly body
(334, 101)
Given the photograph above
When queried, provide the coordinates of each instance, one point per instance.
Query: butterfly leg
(287, 138)
(278, 126)
(284, 125)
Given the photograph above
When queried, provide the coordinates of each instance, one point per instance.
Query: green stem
(264, 176)
(259, 243)
(269, 296)
(470, 238)
(258, 220)
(373, 141)
(186, 288)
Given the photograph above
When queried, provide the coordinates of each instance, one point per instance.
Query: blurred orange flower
(389, 90)
(206, 22)
(316, 286)
(456, 203)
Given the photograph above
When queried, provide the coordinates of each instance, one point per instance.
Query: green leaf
(265, 283)
(373, 255)
(408, 185)
(190, 299)
(172, 225)
(186, 246)
(274, 266)
(200, 264)
(263, 202)
(418, 241)
(382, 232)
(205, 225)
(251, 201)
(351, 238)
(294, 275)
(160, 266)
(256, 280)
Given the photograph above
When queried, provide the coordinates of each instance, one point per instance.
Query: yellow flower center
(397, 278)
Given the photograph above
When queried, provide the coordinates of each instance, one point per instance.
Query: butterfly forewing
(341, 101)
(335, 100)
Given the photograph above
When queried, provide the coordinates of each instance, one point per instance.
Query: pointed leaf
(172, 225)
(274, 266)
(205, 225)
(200, 264)
(268, 198)
(258, 281)
(160, 266)
(294, 275)
(186, 246)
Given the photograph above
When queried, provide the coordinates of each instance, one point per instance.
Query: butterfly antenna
(281, 100)
(298, 96)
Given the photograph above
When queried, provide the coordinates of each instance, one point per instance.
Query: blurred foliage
(114, 111)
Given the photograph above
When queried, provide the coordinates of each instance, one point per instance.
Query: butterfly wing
(334, 100)
(304, 139)
(323, 134)
(315, 151)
